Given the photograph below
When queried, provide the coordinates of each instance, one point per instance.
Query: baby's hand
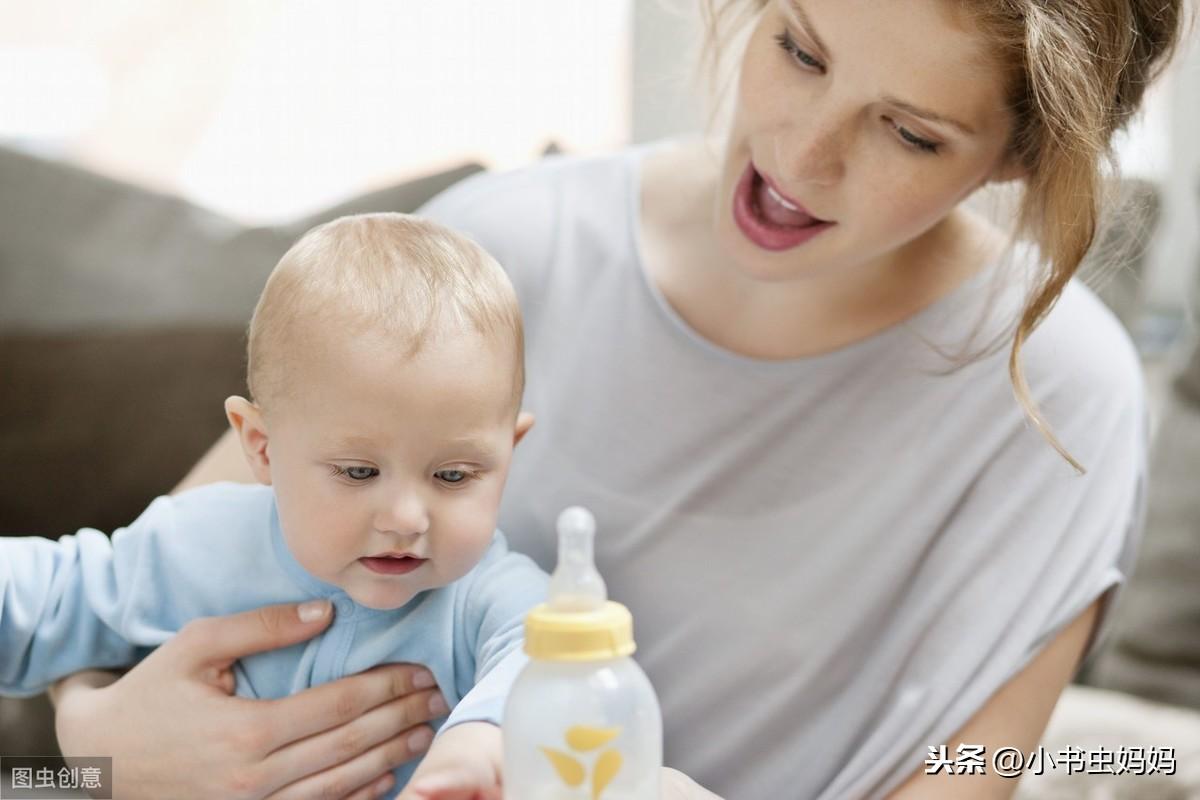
(463, 764)
(454, 784)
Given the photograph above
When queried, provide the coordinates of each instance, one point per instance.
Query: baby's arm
(57, 600)
(503, 590)
(465, 760)
(88, 601)
(463, 763)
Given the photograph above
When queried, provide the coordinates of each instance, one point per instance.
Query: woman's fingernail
(423, 680)
(437, 705)
(384, 784)
(419, 741)
(313, 610)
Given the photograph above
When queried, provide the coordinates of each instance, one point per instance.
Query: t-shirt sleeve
(504, 588)
(1030, 546)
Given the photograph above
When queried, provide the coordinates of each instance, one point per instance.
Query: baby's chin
(381, 598)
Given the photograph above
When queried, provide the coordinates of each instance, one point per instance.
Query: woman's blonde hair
(1077, 71)
(390, 275)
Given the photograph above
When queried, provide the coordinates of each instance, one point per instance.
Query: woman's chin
(751, 262)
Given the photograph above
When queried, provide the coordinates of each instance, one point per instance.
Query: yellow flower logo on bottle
(584, 739)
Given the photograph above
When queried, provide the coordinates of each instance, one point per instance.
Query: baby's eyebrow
(353, 441)
(477, 447)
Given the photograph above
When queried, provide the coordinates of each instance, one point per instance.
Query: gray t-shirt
(832, 562)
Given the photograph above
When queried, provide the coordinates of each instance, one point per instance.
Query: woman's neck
(802, 317)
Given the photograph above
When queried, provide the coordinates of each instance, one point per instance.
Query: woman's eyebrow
(802, 21)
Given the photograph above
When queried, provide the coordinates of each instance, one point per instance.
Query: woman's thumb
(227, 638)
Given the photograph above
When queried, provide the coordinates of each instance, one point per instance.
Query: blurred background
(269, 109)
(157, 157)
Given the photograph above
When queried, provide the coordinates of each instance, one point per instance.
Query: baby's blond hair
(394, 275)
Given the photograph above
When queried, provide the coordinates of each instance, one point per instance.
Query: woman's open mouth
(767, 218)
(392, 565)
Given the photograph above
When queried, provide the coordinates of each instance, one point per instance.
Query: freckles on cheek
(917, 207)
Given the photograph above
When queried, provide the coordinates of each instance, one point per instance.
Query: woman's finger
(349, 778)
(326, 707)
(374, 790)
(217, 641)
(394, 720)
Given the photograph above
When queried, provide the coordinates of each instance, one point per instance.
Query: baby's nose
(405, 514)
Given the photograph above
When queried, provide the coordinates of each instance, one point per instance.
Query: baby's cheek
(320, 556)
(470, 543)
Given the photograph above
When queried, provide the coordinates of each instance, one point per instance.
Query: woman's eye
(451, 476)
(357, 473)
(914, 141)
(789, 46)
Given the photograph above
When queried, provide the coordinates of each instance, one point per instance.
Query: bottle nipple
(576, 585)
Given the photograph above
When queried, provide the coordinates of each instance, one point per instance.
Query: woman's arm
(223, 462)
(1015, 716)
(677, 786)
(173, 729)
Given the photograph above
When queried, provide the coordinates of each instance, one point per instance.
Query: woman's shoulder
(1082, 347)
(538, 189)
(564, 210)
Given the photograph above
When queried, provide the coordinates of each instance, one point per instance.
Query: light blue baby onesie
(85, 601)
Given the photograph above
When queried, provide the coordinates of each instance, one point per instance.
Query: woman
(841, 551)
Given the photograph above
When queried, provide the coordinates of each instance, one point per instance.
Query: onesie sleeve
(64, 605)
(504, 588)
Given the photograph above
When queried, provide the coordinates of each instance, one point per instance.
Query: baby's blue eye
(451, 475)
(359, 473)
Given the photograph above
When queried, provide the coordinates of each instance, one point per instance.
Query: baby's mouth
(392, 564)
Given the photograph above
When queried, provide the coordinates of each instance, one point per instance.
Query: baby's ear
(247, 422)
(524, 423)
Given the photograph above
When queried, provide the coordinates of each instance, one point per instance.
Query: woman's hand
(174, 730)
(677, 786)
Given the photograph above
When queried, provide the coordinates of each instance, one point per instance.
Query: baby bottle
(582, 721)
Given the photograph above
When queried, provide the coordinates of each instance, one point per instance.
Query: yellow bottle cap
(591, 635)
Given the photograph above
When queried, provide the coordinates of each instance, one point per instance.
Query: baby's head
(386, 368)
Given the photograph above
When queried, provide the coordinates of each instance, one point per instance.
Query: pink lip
(398, 564)
(760, 231)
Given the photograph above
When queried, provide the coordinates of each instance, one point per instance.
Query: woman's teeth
(781, 200)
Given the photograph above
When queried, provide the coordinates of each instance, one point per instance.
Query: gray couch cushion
(80, 250)
(102, 422)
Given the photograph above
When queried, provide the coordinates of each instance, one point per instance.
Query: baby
(385, 371)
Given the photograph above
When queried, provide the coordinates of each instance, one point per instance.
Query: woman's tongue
(774, 210)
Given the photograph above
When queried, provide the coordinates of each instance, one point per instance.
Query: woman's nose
(403, 512)
(814, 153)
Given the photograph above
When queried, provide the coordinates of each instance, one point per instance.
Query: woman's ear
(1010, 169)
(248, 424)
